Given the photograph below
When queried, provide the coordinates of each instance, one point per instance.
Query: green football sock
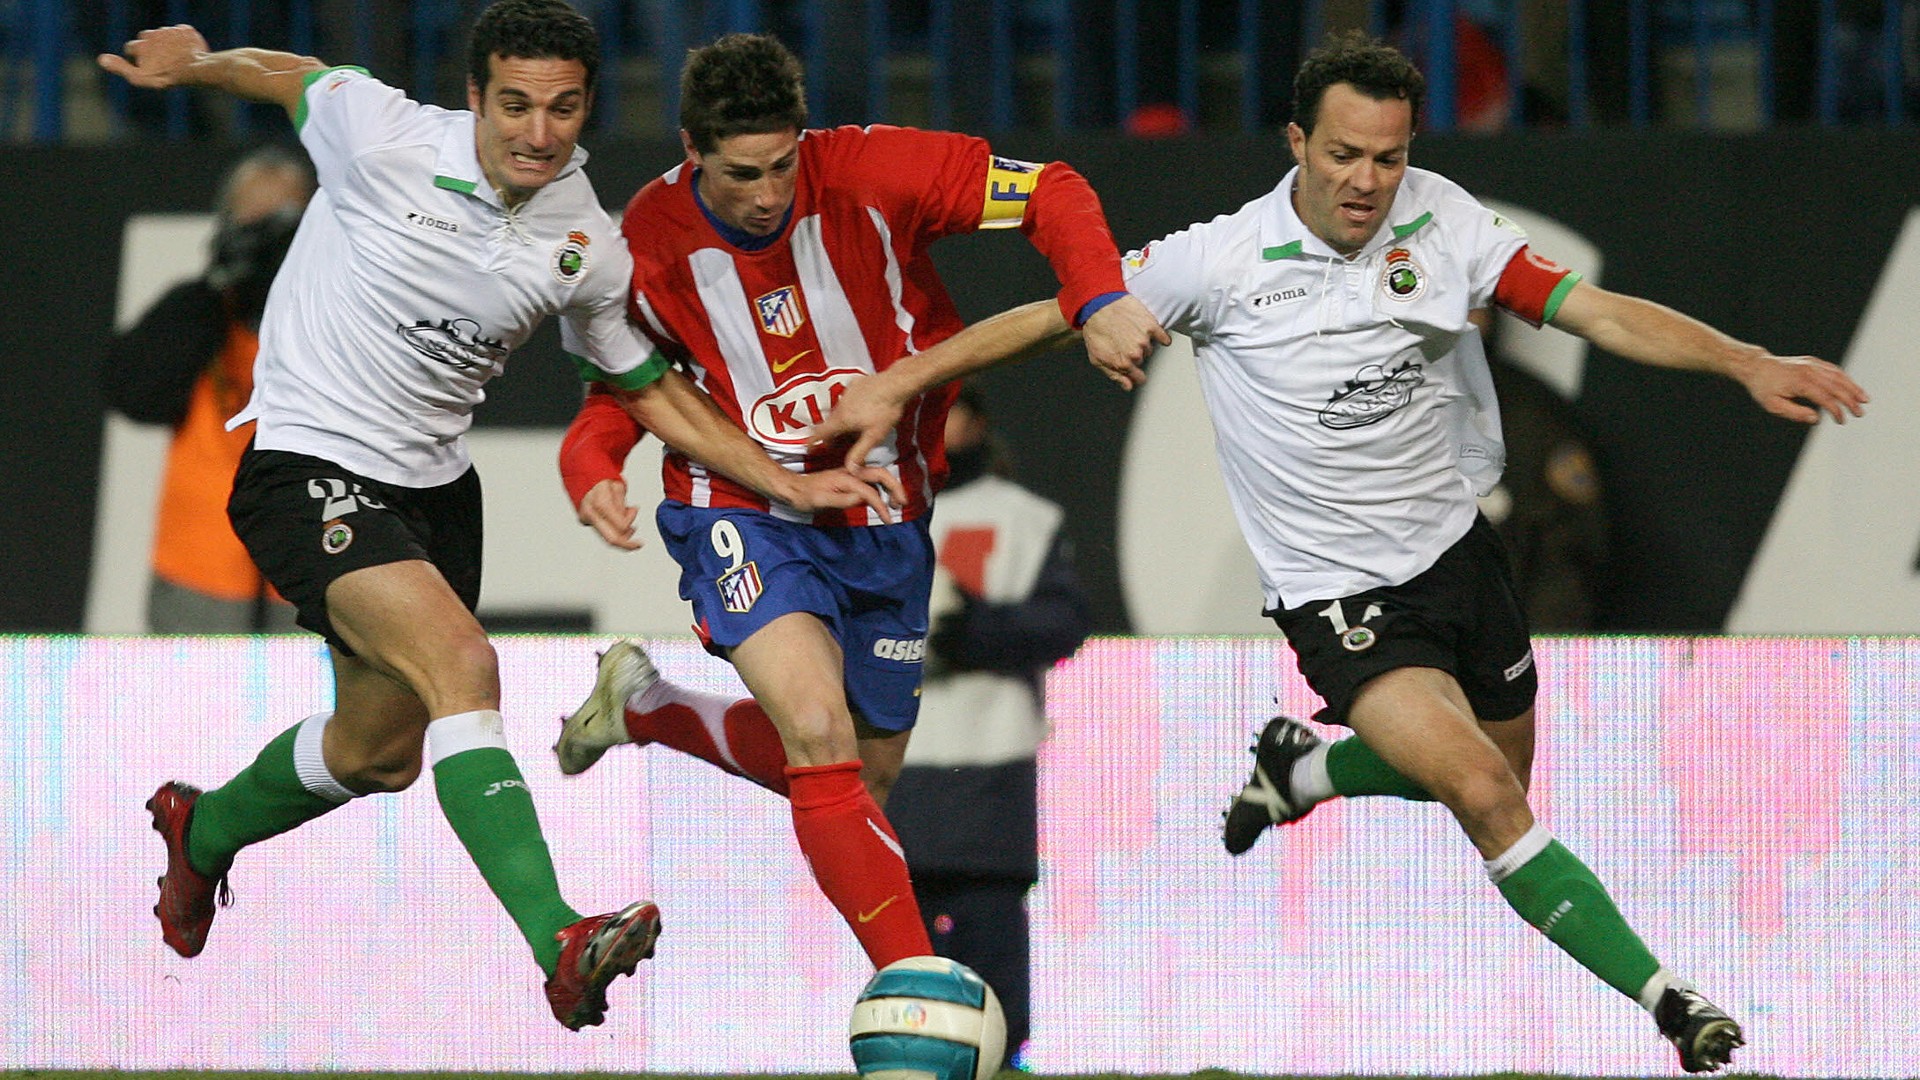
(1561, 898)
(487, 802)
(1354, 769)
(265, 799)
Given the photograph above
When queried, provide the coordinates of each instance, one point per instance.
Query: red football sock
(734, 734)
(857, 860)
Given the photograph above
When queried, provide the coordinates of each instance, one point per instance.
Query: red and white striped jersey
(774, 335)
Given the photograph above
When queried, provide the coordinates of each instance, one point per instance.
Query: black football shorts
(1460, 615)
(307, 521)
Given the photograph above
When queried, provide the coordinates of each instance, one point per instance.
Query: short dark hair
(271, 158)
(742, 84)
(1370, 66)
(532, 30)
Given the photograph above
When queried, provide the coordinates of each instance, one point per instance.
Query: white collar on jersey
(1284, 235)
(458, 165)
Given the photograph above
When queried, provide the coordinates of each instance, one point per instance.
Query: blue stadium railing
(1217, 64)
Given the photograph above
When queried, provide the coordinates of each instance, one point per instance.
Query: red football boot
(187, 896)
(593, 952)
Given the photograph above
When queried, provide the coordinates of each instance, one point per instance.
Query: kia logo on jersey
(788, 414)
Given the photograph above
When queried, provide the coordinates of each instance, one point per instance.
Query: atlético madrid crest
(780, 311)
(740, 587)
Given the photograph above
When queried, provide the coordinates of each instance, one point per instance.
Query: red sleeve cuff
(1066, 223)
(597, 443)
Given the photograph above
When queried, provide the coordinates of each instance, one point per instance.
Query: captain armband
(1010, 186)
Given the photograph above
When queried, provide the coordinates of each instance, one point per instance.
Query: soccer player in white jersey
(1333, 321)
(437, 242)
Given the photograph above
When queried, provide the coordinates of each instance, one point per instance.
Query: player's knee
(462, 670)
(472, 656)
(817, 735)
(382, 772)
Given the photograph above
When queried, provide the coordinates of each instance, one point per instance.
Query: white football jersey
(1352, 407)
(409, 283)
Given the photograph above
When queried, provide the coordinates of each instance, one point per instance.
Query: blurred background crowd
(1146, 67)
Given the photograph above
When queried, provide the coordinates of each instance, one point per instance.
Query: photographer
(188, 363)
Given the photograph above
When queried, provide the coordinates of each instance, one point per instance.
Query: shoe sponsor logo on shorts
(905, 650)
(1358, 639)
(335, 536)
(740, 587)
(1520, 666)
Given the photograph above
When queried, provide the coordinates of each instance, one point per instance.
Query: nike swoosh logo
(869, 916)
(780, 367)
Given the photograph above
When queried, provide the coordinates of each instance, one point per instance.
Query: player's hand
(841, 489)
(1120, 337)
(156, 59)
(1802, 387)
(867, 412)
(604, 509)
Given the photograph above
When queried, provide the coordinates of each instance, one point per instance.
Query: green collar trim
(454, 183)
(1401, 232)
(1295, 247)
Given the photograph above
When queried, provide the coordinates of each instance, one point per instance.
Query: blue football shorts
(742, 569)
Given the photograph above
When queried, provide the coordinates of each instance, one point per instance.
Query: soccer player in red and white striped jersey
(777, 264)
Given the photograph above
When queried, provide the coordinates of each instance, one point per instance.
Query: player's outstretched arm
(681, 415)
(1120, 337)
(870, 407)
(1793, 387)
(178, 56)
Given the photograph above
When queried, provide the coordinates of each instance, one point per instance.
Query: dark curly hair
(532, 30)
(742, 84)
(1372, 67)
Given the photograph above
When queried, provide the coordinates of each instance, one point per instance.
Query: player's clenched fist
(1119, 338)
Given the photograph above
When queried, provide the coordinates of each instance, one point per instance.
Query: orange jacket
(193, 544)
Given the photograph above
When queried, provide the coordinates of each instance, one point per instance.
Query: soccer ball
(927, 1018)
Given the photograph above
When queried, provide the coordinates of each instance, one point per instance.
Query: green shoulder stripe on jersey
(1292, 247)
(300, 112)
(1401, 232)
(454, 183)
(1559, 295)
(648, 373)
